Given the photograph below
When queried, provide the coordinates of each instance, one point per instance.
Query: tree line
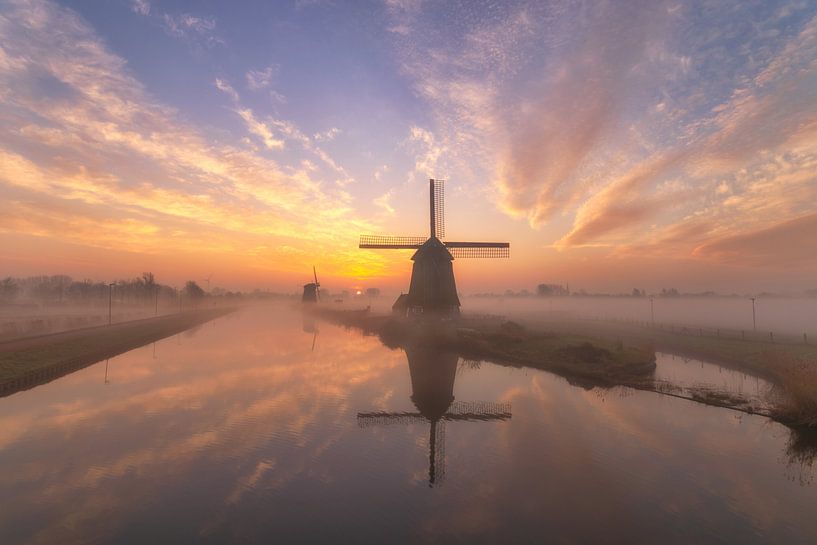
(62, 289)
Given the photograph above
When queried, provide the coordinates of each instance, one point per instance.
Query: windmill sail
(433, 288)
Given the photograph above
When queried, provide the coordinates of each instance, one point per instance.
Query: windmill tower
(433, 288)
(432, 385)
(312, 291)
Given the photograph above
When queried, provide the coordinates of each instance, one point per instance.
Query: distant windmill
(432, 385)
(208, 281)
(432, 287)
(312, 293)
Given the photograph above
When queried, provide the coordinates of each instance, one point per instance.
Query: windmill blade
(317, 284)
(438, 207)
(479, 249)
(478, 411)
(436, 458)
(365, 420)
(385, 242)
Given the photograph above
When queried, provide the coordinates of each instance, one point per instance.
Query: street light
(754, 320)
(110, 300)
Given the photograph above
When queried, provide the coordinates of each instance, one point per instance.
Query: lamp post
(110, 301)
(180, 301)
(156, 310)
(652, 311)
(754, 320)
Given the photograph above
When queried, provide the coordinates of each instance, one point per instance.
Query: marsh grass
(797, 382)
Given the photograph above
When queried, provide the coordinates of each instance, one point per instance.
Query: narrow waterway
(262, 427)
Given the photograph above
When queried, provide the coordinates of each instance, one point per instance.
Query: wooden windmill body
(312, 291)
(433, 289)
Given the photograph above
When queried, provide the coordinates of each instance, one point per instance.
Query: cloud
(260, 129)
(384, 202)
(380, 171)
(260, 79)
(274, 133)
(429, 151)
(327, 135)
(786, 243)
(227, 89)
(142, 7)
(619, 120)
(183, 25)
(195, 29)
(621, 204)
(94, 159)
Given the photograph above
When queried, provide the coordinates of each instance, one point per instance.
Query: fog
(779, 315)
(50, 304)
(791, 316)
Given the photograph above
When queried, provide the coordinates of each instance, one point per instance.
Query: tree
(373, 292)
(546, 290)
(193, 290)
(8, 290)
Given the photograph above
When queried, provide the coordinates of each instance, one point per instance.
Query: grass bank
(582, 360)
(596, 353)
(790, 366)
(27, 362)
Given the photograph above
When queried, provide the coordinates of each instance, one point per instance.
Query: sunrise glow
(614, 147)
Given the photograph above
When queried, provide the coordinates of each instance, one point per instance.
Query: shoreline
(602, 356)
(30, 361)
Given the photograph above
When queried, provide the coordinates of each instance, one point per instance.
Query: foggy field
(788, 316)
(27, 320)
(780, 315)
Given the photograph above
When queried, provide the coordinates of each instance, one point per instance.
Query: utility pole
(652, 311)
(754, 320)
(156, 310)
(110, 302)
(180, 301)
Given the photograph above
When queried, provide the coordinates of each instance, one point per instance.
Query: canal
(263, 427)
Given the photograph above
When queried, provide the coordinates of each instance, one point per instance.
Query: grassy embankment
(582, 360)
(790, 366)
(594, 353)
(27, 362)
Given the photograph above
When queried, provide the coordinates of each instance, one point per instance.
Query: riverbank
(594, 353)
(790, 366)
(580, 359)
(28, 362)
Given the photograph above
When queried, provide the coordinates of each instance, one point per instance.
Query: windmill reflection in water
(433, 372)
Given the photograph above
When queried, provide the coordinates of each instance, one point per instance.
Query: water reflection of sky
(239, 431)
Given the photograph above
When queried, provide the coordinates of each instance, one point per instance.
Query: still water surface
(255, 429)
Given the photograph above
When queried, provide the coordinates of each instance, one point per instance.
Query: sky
(613, 144)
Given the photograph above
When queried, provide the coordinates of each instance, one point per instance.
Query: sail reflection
(433, 372)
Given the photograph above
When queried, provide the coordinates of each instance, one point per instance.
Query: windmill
(312, 291)
(432, 288)
(432, 385)
(208, 282)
